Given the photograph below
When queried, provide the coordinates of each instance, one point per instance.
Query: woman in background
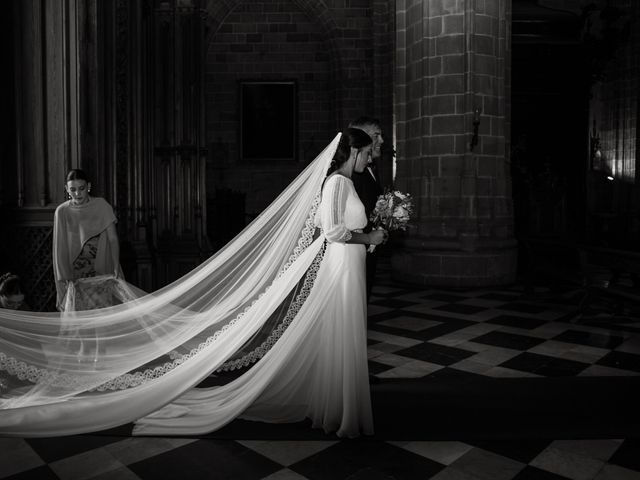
(85, 242)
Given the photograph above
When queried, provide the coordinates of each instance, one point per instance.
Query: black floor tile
(523, 450)
(590, 339)
(461, 308)
(437, 331)
(521, 307)
(366, 460)
(544, 365)
(508, 340)
(562, 368)
(52, 449)
(396, 331)
(219, 459)
(40, 473)
(452, 322)
(527, 362)
(438, 354)
(448, 326)
(628, 455)
(393, 303)
(444, 297)
(499, 296)
(397, 291)
(447, 373)
(614, 323)
(376, 368)
(373, 319)
(517, 322)
(533, 473)
(626, 361)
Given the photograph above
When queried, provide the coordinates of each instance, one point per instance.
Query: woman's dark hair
(351, 138)
(77, 174)
(9, 285)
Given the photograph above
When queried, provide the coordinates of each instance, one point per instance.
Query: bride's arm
(336, 192)
(375, 237)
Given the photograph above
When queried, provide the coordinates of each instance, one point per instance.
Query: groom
(368, 186)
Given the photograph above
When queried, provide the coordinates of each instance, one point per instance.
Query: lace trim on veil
(306, 239)
(24, 371)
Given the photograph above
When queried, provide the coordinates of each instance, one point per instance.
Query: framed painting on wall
(268, 120)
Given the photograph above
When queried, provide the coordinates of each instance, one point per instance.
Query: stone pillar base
(439, 266)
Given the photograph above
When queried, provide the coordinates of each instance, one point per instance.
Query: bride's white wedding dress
(318, 368)
(297, 319)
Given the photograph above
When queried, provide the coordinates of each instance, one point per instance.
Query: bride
(285, 298)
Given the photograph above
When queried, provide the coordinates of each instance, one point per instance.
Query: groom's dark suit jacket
(368, 189)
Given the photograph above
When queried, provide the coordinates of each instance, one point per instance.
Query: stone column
(452, 133)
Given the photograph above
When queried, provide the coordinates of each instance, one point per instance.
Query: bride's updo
(351, 138)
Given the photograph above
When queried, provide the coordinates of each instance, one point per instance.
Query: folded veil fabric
(80, 371)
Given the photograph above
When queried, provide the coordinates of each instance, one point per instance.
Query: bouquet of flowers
(392, 212)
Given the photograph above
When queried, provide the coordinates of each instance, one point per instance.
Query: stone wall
(326, 47)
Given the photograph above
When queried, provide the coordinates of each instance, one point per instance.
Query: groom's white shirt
(371, 173)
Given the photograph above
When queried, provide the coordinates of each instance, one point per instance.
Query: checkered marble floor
(413, 333)
(118, 458)
(497, 333)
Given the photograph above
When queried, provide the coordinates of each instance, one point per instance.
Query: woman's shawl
(73, 225)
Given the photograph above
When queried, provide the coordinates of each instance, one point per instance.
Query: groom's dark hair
(363, 121)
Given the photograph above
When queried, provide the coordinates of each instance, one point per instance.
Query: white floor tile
(603, 371)
(453, 339)
(442, 452)
(570, 465)
(470, 366)
(85, 465)
(494, 356)
(488, 465)
(393, 360)
(552, 348)
(118, 474)
(17, 457)
(616, 472)
(135, 449)
(413, 369)
(286, 452)
(501, 372)
(285, 474)
(393, 339)
(596, 449)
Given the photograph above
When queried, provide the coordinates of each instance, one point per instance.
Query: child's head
(11, 295)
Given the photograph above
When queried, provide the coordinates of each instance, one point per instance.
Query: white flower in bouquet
(401, 215)
(393, 211)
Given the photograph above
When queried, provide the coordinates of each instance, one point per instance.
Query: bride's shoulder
(338, 178)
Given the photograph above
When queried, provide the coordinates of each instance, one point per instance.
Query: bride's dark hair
(351, 138)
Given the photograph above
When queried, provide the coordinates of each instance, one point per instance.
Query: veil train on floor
(254, 303)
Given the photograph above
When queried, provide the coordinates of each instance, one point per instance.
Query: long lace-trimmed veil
(67, 373)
